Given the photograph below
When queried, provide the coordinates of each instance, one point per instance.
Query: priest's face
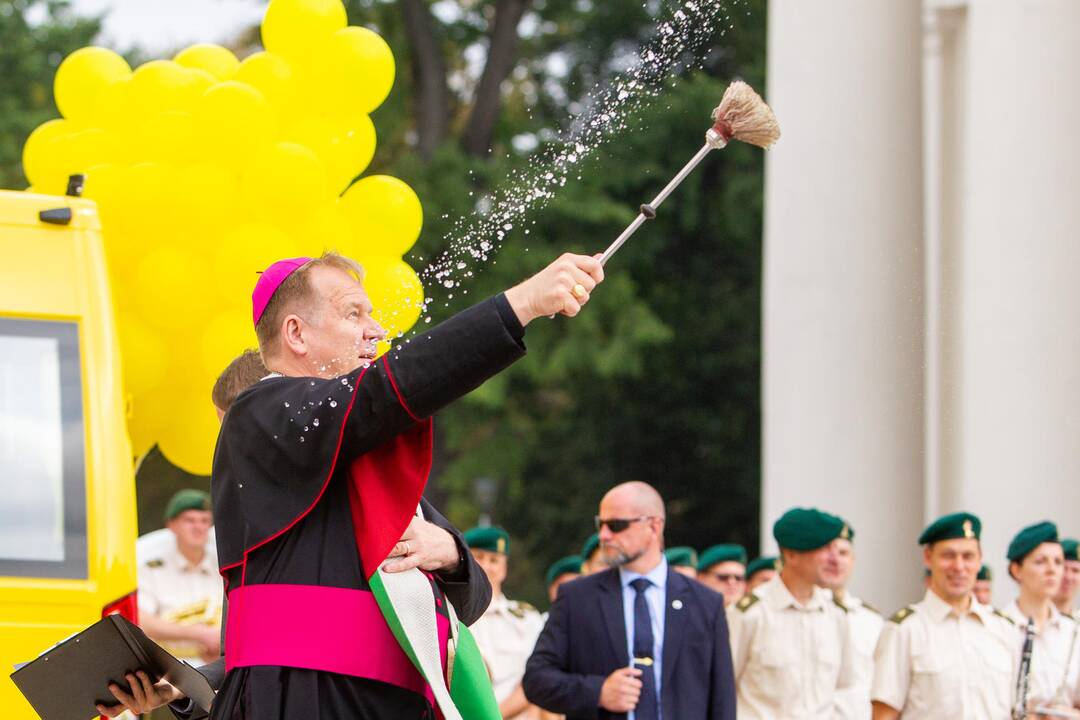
(340, 333)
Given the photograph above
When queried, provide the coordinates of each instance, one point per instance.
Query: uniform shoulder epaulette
(155, 563)
(839, 603)
(746, 602)
(1003, 616)
(902, 614)
(520, 608)
(871, 608)
(1069, 617)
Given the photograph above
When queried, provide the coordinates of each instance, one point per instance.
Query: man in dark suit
(638, 640)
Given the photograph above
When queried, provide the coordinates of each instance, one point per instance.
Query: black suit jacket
(468, 589)
(584, 641)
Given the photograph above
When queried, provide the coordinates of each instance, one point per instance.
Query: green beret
(722, 553)
(1030, 538)
(803, 529)
(985, 573)
(590, 546)
(756, 565)
(568, 564)
(956, 525)
(681, 557)
(1069, 545)
(188, 499)
(492, 539)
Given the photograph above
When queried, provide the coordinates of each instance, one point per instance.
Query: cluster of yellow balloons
(206, 169)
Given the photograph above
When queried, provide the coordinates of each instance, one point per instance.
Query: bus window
(42, 467)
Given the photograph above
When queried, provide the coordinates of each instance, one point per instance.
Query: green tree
(659, 380)
(35, 35)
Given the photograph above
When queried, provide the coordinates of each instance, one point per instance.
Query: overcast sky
(162, 26)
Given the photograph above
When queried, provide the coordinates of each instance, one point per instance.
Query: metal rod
(648, 212)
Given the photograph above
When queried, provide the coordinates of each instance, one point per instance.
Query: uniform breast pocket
(932, 676)
(777, 668)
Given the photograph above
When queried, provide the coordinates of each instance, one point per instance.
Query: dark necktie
(643, 652)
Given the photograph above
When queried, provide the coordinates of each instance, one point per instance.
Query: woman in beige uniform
(1037, 564)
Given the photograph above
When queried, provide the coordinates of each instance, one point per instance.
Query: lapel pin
(677, 604)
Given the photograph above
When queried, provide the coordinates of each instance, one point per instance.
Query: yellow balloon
(214, 59)
(150, 417)
(170, 285)
(354, 148)
(114, 108)
(271, 75)
(207, 193)
(285, 182)
(232, 121)
(162, 85)
(358, 72)
(145, 354)
(241, 254)
(327, 229)
(385, 215)
(167, 137)
(293, 28)
(87, 148)
(224, 337)
(41, 161)
(82, 76)
(395, 292)
(188, 439)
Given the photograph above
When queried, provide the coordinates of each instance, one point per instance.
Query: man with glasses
(789, 640)
(723, 569)
(659, 647)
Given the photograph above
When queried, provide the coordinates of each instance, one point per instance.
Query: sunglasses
(617, 525)
(729, 577)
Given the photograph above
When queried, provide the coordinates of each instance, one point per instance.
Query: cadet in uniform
(1070, 583)
(760, 571)
(789, 640)
(592, 560)
(723, 568)
(180, 590)
(561, 571)
(507, 631)
(948, 656)
(865, 623)
(984, 585)
(682, 560)
(1037, 563)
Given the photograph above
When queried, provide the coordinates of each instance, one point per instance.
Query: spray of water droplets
(610, 111)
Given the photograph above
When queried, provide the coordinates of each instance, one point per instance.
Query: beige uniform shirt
(865, 624)
(179, 592)
(506, 634)
(1055, 661)
(933, 663)
(789, 658)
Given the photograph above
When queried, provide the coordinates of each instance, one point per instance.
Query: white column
(843, 291)
(1020, 396)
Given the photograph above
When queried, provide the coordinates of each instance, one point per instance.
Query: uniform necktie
(643, 652)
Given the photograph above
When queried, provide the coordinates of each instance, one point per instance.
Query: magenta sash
(330, 629)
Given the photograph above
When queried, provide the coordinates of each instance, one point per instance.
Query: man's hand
(621, 690)
(144, 697)
(562, 287)
(425, 546)
(209, 638)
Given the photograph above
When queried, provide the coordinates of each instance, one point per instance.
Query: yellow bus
(67, 486)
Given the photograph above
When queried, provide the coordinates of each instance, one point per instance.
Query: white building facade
(921, 310)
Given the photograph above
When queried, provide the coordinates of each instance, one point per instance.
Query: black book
(67, 681)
